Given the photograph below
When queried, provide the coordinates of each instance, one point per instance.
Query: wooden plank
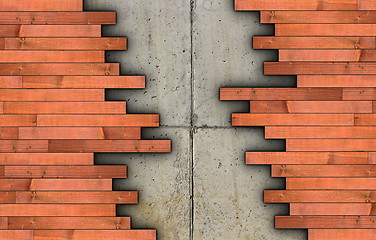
(105, 43)
(365, 119)
(51, 95)
(317, 68)
(68, 223)
(307, 158)
(80, 133)
(359, 94)
(10, 82)
(119, 197)
(366, 5)
(323, 222)
(342, 30)
(23, 146)
(253, 5)
(58, 210)
(46, 159)
(16, 234)
(58, 18)
(332, 209)
(341, 234)
(327, 55)
(331, 145)
(245, 119)
(55, 185)
(346, 81)
(115, 171)
(309, 107)
(27, 69)
(272, 42)
(50, 30)
(109, 146)
(128, 120)
(319, 132)
(95, 234)
(41, 5)
(323, 170)
(331, 183)
(83, 81)
(65, 107)
(8, 133)
(19, 56)
(318, 196)
(18, 120)
(273, 94)
(7, 197)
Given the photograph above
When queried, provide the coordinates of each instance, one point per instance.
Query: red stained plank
(41, 5)
(341, 30)
(341, 234)
(350, 81)
(95, 234)
(332, 209)
(23, 146)
(10, 82)
(366, 5)
(50, 30)
(16, 234)
(109, 146)
(331, 183)
(252, 5)
(365, 119)
(46, 158)
(9, 56)
(327, 55)
(359, 94)
(51, 95)
(7, 197)
(331, 144)
(325, 222)
(8, 133)
(18, 120)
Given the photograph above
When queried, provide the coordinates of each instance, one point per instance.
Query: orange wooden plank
(58, 210)
(310, 222)
(273, 94)
(331, 209)
(25, 69)
(51, 95)
(50, 30)
(366, 5)
(332, 30)
(327, 55)
(106, 43)
(245, 119)
(55, 185)
(318, 196)
(323, 170)
(359, 93)
(331, 183)
(113, 171)
(79, 133)
(346, 81)
(271, 42)
(83, 81)
(331, 144)
(68, 222)
(46, 159)
(308, 107)
(365, 119)
(10, 82)
(19, 56)
(319, 132)
(65, 107)
(16, 234)
(95, 234)
(7, 197)
(120, 197)
(308, 158)
(252, 5)
(58, 18)
(128, 120)
(18, 120)
(8, 133)
(341, 234)
(109, 146)
(23, 146)
(41, 5)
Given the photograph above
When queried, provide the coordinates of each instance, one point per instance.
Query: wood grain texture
(252, 5)
(331, 183)
(19, 56)
(46, 159)
(16, 234)
(51, 95)
(323, 222)
(341, 30)
(50, 30)
(324, 209)
(331, 145)
(341, 234)
(94, 234)
(41, 5)
(327, 55)
(336, 81)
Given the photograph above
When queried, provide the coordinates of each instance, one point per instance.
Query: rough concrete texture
(188, 50)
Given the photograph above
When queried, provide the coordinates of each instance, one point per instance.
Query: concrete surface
(188, 50)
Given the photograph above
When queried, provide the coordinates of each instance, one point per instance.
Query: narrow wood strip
(51, 95)
(326, 209)
(23, 146)
(10, 82)
(58, 210)
(114, 133)
(341, 234)
(95, 234)
(245, 119)
(58, 18)
(319, 132)
(27, 69)
(68, 223)
(254, 5)
(8, 133)
(55, 185)
(46, 159)
(16, 234)
(273, 94)
(358, 30)
(128, 120)
(18, 120)
(328, 81)
(323, 222)
(7, 197)
(365, 119)
(123, 197)
(271, 42)
(41, 5)
(307, 158)
(308, 107)
(359, 93)
(366, 5)
(331, 145)
(50, 30)
(327, 55)
(65, 107)
(109, 146)
(19, 56)
(115, 171)
(105, 43)
(83, 81)
(323, 170)
(317, 68)
(331, 183)
(319, 196)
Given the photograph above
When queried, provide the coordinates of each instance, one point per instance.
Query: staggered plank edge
(53, 119)
(328, 120)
